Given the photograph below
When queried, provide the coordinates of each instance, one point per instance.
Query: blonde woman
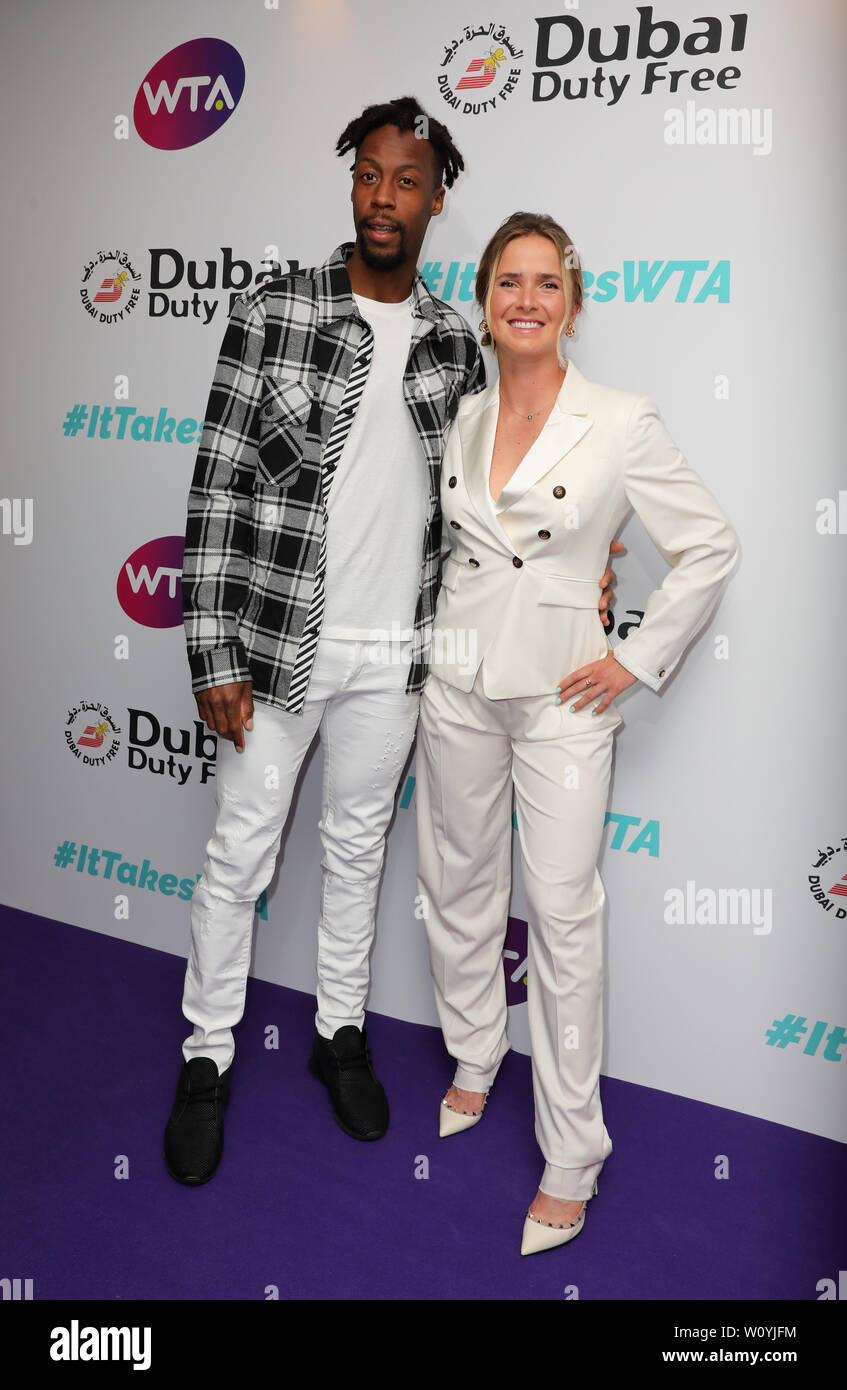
(539, 472)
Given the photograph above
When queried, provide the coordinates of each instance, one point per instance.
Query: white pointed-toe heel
(541, 1235)
(452, 1121)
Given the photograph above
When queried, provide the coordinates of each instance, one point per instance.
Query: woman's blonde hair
(525, 224)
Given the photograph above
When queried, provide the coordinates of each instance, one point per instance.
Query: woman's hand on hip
(605, 678)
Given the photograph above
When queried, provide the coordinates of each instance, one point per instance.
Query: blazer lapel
(565, 426)
(476, 436)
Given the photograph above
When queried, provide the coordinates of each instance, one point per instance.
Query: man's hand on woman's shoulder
(607, 593)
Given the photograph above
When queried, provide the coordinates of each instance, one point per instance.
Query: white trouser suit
(470, 751)
(357, 699)
(517, 613)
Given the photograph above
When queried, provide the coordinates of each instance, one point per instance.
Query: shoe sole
(354, 1134)
(561, 1245)
(191, 1182)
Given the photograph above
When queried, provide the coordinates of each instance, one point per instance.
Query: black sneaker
(194, 1134)
(343, 1064)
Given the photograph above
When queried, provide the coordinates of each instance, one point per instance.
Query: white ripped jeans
(357, 699)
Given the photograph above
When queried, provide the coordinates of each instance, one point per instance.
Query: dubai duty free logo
(486, 69)
(91, 734)
(188, 94)
(829, 890)
(111, 295)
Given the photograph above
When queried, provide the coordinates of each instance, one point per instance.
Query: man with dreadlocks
(313, 528)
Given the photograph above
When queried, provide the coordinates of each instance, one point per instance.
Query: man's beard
(377, 259)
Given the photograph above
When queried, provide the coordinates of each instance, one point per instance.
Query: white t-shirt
(379, 499)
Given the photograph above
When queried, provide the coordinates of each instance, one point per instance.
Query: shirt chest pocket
(435, 402)
(284, 418)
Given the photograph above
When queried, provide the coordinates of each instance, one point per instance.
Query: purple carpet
(92, 1033)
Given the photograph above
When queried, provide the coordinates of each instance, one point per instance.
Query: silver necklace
(520, 412)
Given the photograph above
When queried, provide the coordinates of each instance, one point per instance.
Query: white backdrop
(732, 779)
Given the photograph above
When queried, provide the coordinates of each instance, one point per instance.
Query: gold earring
(569, 331)
(483, 326)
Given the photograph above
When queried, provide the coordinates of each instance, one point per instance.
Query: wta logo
(189, 94)
(149, 589)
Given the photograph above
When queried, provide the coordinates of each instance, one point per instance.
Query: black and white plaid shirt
(255, 508)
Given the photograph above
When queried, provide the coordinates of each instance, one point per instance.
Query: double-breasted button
(451, 482)
(544, 535)
(475, 563)
(558, 491)
(455, 525)
(517, 562)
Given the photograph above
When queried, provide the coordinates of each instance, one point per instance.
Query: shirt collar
(335, 296)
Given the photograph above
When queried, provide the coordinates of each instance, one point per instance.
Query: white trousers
(470, 751)
(357, 699)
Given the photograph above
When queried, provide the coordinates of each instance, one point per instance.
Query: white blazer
(520, 582)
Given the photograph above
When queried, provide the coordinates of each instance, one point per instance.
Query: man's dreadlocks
(407, 114)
